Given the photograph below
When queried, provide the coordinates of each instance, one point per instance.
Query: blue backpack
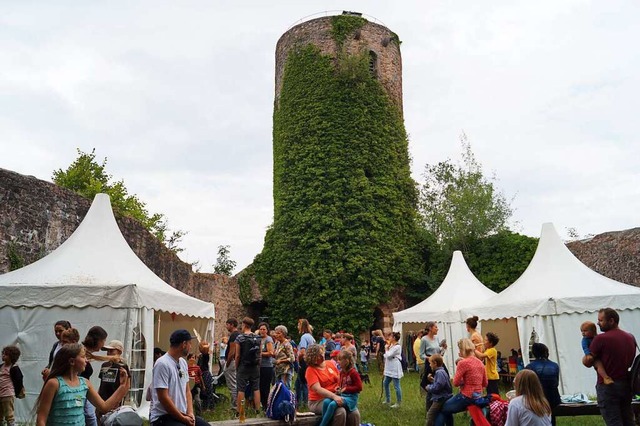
(282, 403)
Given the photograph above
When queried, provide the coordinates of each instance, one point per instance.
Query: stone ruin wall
(371, 37)
(37, 216)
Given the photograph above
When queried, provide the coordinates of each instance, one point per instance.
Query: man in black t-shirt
(110, 372)
(247, 361)
(230, 368)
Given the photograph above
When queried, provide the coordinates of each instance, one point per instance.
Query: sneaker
(386, 402)
(396, 405)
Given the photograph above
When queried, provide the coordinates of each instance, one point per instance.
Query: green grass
(411, 413)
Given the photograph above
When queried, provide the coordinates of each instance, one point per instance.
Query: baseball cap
(180, 336)
(114, 344)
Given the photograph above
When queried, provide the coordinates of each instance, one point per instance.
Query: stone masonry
(37, 216)
(372, 37)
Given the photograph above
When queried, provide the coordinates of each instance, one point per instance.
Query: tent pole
(555, 343)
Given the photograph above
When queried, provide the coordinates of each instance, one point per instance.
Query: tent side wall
(31, 329)
(561, 333)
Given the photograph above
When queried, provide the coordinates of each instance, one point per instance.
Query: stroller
(209, 398)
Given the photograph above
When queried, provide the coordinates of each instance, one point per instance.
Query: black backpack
(249, 349)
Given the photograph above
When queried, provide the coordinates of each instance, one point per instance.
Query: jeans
(90, 418)
(266, 377)
(286, 378)
(455, 404)
(614, 401)
(396, 384)
(302, 391)
(341, 417)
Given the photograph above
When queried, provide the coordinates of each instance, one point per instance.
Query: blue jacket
(441, 386)
(549, 374)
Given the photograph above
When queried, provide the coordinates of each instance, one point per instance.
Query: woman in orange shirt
(323, 379)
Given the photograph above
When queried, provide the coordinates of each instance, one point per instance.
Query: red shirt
(328, 379)
(471, 376)
(616, 349)
(195, 373)
(350, 381)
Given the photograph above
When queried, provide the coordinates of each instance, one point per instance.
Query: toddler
(364, 359)
(589, 332)
(349, 388)
(438, 389)
(10, 383)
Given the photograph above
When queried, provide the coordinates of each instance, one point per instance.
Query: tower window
(373, 64)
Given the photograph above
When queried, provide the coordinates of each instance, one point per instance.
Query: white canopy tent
(460, 289)
(94, 278)
(554, 295)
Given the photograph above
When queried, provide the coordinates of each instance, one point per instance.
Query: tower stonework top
(382, 44)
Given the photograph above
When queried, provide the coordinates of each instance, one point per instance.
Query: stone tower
(381, 43)
(344, 201)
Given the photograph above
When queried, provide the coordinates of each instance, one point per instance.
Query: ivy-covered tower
(345, 229)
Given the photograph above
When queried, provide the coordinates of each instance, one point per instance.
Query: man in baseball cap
(172, 403)
(110, 371)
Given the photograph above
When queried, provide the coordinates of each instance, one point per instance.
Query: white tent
(94, 278)
(553, 297)
(460, 289)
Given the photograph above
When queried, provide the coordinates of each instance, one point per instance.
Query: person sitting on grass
(438, 387)
(490, 357)
(349, 388)
(529, 407)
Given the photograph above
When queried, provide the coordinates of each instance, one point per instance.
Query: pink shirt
(470, 376)
(6, 385)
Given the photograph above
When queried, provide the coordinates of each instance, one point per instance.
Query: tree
(459, 204)
(87, 177)
(224, 265)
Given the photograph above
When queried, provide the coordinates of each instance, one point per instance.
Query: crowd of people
(328, 376)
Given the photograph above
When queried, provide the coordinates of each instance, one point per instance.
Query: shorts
(248, 376)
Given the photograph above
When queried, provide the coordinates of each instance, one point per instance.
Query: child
(195, 374)
(490, 357)
(63, 395)
(364, 358)
(439, 389)
(10, 383)
(588, 330)
(334, 359)
(223, 353)
(349, 388)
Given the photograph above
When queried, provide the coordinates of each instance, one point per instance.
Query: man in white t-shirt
(172, 405)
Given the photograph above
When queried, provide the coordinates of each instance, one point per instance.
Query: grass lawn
(412, 411)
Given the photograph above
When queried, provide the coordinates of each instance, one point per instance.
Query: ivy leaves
(345, 221)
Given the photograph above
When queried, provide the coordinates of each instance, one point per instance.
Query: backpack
(634, 374)
(281, 404)
(249, 349)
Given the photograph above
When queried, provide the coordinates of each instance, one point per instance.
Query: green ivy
(345, 220)
(342, 26)
(16, 261)
(244, 284)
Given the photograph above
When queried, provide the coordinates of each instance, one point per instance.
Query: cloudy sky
(179, 97)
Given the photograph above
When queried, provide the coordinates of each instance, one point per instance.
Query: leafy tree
(459, 204)
(345, 230)
(88, 177)
(224, 265)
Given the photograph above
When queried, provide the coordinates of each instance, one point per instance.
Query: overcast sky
(179, 97)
